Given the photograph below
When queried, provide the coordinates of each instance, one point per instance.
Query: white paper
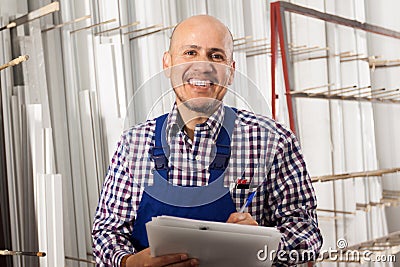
(213, 243)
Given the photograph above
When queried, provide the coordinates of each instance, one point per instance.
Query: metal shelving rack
(278, 32)
(280, 48)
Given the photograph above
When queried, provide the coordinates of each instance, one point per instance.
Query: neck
(191, 119)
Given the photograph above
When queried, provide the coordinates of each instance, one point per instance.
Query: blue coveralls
(212, 202)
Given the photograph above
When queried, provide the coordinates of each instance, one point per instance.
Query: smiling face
(199, 62)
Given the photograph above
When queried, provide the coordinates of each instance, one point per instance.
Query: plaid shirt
(263, 152)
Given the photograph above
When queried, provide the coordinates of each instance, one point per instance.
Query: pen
(248, 201)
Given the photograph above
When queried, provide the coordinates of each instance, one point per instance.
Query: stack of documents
(213, 243)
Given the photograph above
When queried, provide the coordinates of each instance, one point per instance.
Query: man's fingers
(187, 263)
(236, 217)
(247, 222)
(241, 218)
(143, 258)
(168, 260)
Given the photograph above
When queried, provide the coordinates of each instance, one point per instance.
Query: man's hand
(241, 218)
(143, 258)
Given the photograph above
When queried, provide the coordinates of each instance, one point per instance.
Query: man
(199, 144)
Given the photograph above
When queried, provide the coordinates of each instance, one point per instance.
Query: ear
(167, 64)
(232, 74)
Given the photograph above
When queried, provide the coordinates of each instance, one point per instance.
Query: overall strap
(223, 144)
(157, 152)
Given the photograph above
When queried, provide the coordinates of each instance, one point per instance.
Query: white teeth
(203, 83)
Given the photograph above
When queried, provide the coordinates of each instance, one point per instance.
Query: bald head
(202, 24)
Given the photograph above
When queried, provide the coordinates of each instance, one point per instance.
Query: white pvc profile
(89, 183)
(35, 135)
(59, 121)
(110, 93)
(49, 164)
(51, 231)
(101, 163)
(73, 186)
(41, 215)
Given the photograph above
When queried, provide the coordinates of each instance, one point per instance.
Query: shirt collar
(212, 124)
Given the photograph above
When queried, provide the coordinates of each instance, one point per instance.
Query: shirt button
(197, 157)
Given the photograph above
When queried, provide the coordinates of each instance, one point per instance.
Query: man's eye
(217, 57)
(190, 53)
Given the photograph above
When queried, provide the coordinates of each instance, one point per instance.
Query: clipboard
(213, 243)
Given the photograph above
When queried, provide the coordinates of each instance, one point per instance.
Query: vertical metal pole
(278, 28)
(280, 16)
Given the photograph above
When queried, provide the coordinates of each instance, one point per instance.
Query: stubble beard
(206, 107)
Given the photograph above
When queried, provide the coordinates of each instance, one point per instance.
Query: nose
(203, 66)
